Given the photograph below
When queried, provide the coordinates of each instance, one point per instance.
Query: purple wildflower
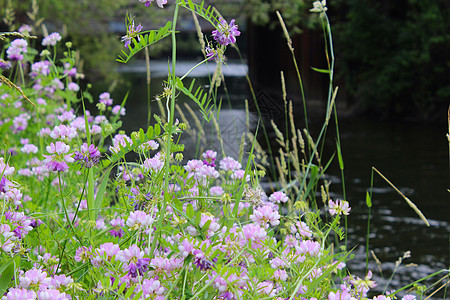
(118, 110)
(302, 229)
(229, 163)
(25, 29)
(64, 132)
(186, 248)
(134, 261)
(216, 191)
(150, 145)
(280, 275)
(151, 287)
(29, 148)
(132, 32)
(5, 169)
(209, 157)
(210, 53)
(264, 215)
(88, 156)
(278, 197)
(9, 192)
(192, 166)
(69, 70)
(51, 39)
(200, 260)
(20, 123)
(53, 294)
(105, 98)
(34, 278)
(17, 49)
(72, 86)
(5, 65)
(226, 34)
(160, 3)
(7, 238)
(19, 293)
(117, 224)
(308, 246)
(154, 164)
(339, 207)
(22, 224)
(83, 254)
(57, 162)
(139, 220)
(104, 253)
(239, 175)
(67, 116)
(40, 67)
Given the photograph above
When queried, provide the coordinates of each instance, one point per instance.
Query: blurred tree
(295, 13)
(393, 56)
(94, 27)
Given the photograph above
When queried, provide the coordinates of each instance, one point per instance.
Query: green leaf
(129, 292)
(138, 295)
(101, 191)
(141, 134)
(209, 14)
(176, 202)
(341, 160)
(199, 97)
(7, 273)
(144, 41)
(189, 211)
(149, 133)
(206, 226)
(321, 70)
(368, 200)
(157, 129)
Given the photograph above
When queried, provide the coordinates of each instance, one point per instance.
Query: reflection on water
(414, 157)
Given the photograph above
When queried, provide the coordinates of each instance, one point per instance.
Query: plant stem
(147, 63)
(368, 222)
(190, 70)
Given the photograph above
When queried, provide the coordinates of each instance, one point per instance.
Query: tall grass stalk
(294, 60)
(448, 137)
(149, 79)
(369, 206)
(409, 202)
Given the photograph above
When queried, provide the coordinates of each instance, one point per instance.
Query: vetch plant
(80, 219)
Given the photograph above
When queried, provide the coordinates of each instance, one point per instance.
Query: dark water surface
(414, 157)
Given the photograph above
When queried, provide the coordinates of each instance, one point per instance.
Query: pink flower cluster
(17, 49)
(57, 162)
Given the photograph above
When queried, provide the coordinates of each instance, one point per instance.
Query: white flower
(319, 6)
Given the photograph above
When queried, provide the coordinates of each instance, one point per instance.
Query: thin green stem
(191, 69)
(149, 108)
(369, 204)
(21, 72)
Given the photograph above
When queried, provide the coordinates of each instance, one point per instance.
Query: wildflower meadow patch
(82, 218)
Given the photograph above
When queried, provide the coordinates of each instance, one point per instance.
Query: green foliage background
(394, 56)
(88, 24)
